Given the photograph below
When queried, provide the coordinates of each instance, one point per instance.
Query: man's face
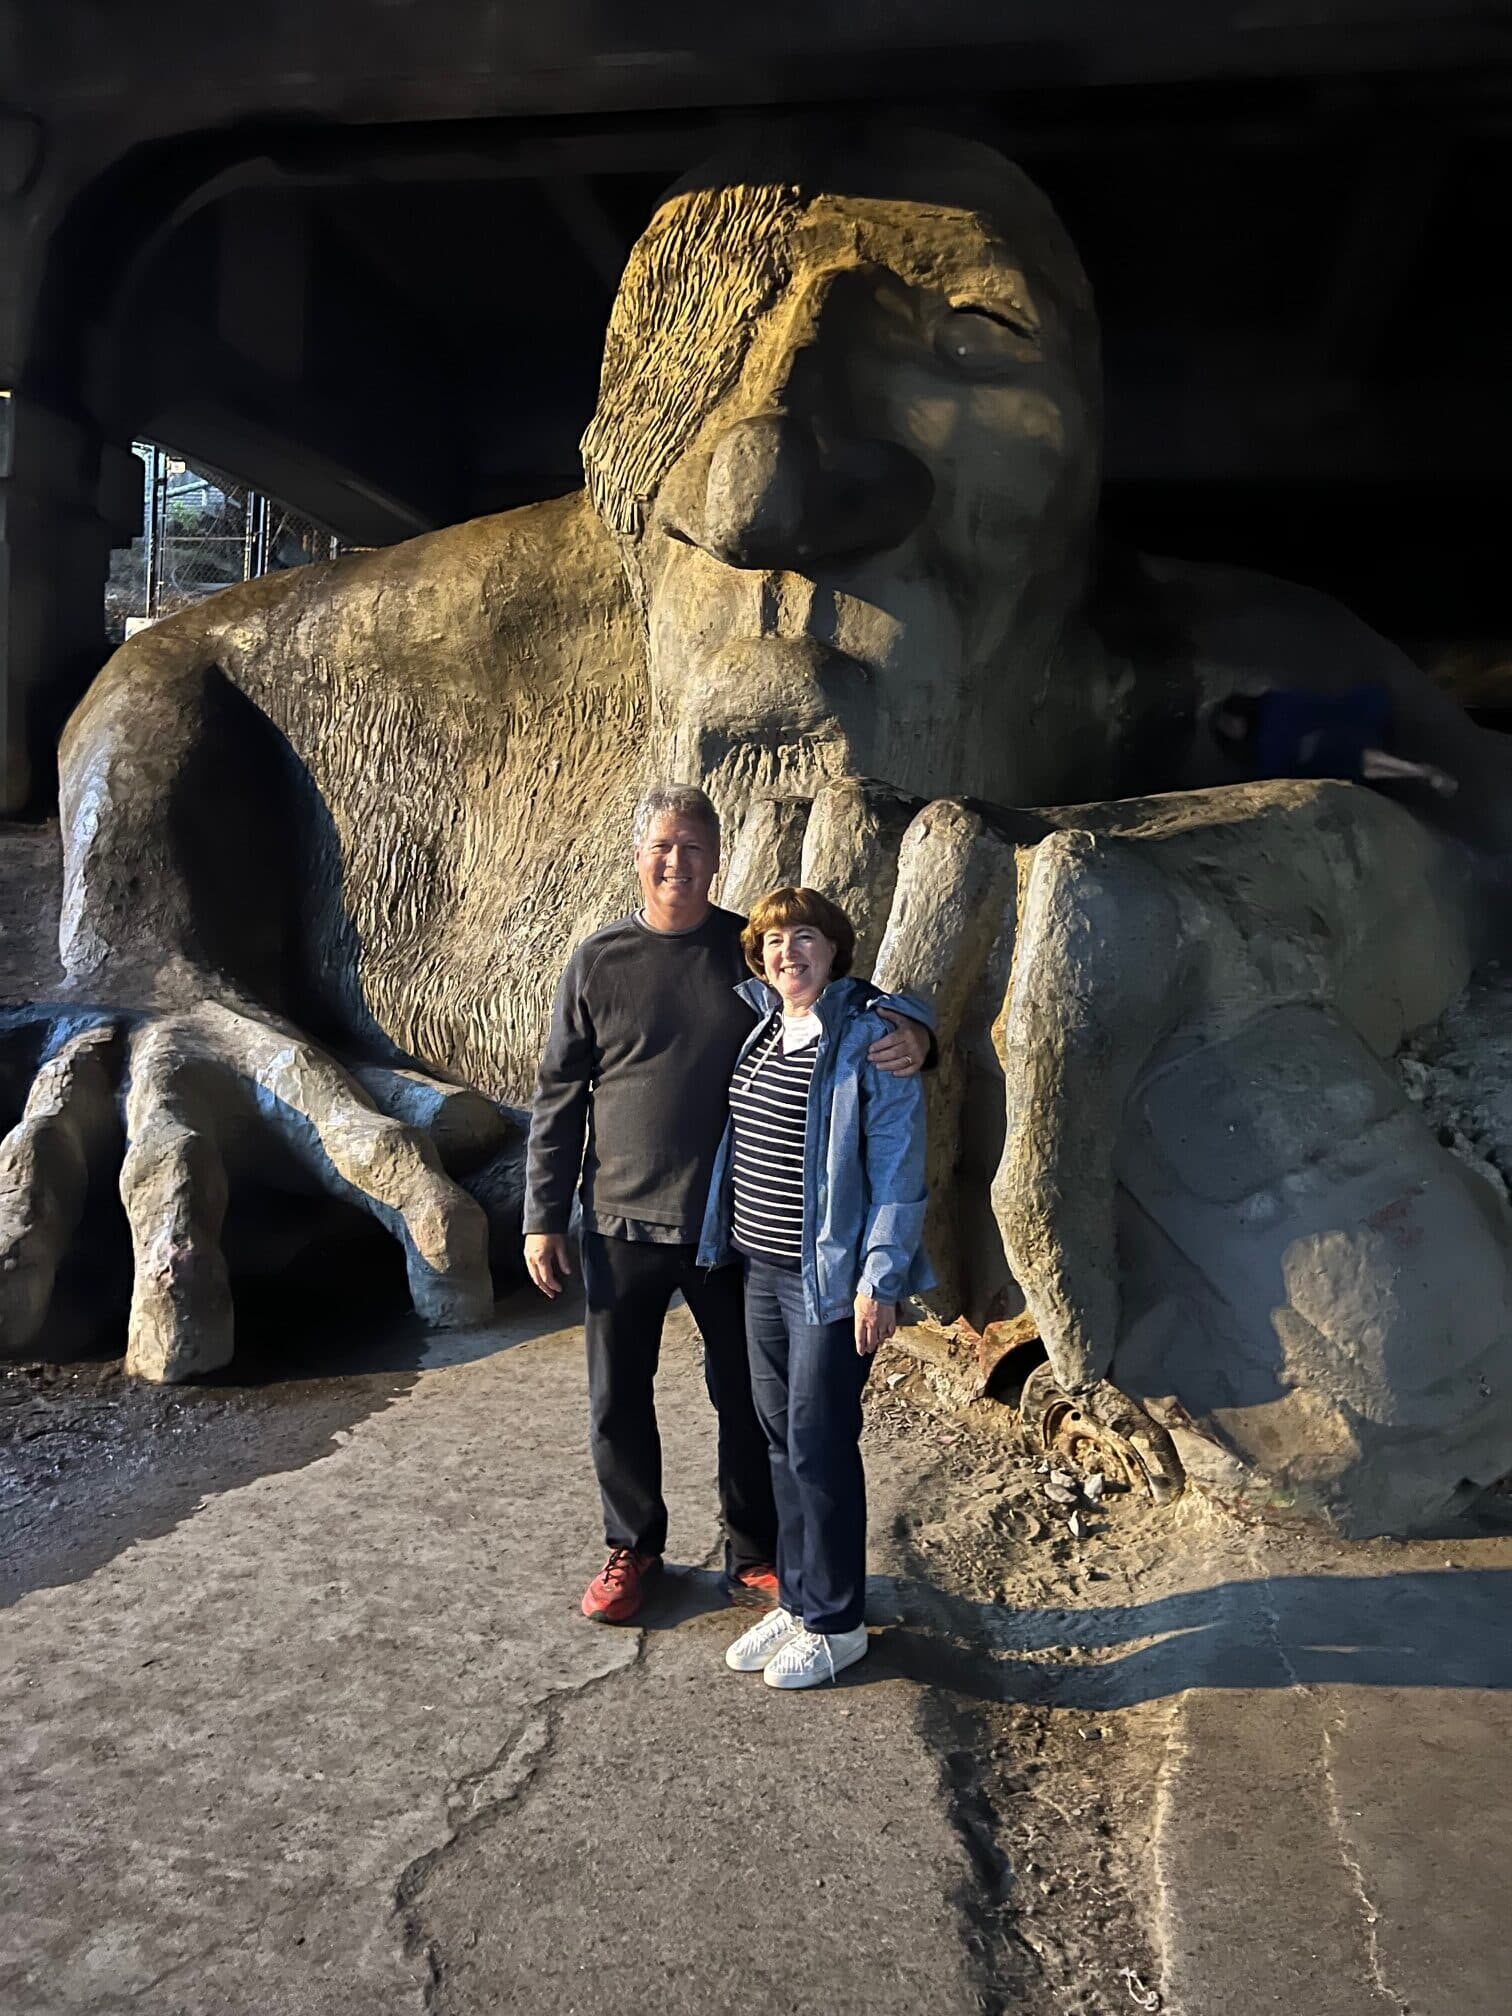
(846, 566)
(676, 863)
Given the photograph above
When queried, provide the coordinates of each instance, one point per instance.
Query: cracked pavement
(1335, 1798)
(340, 1740)
(297, 1713)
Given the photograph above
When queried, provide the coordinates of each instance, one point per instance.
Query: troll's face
(848, 434)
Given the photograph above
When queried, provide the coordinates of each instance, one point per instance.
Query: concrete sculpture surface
(330, 836)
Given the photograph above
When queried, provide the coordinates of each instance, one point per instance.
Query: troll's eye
(981, 342)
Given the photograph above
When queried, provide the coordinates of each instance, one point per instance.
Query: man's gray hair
(683, 801)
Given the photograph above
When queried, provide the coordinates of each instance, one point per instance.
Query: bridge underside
(365, 266)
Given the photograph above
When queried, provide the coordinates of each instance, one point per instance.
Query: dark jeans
(807, 1380)
(629, 1287)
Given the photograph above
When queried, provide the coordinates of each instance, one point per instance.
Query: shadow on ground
(1447, 1629)
(91, 1461)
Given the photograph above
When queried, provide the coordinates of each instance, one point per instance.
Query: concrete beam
(452, 59)
(65, 499)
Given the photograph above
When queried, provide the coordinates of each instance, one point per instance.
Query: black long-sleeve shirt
(633, 1085)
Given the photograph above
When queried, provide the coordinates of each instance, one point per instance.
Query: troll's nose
(774, 500)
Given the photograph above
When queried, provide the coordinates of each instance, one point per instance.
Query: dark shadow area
(683, 1594)
(1450, 1628)
(232, 834)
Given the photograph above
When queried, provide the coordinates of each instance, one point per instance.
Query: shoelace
(805, 1640)
(618, 1567)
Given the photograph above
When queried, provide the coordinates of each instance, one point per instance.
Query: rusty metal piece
(1101, 1430)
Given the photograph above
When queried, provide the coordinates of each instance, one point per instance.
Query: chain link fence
(201, 531)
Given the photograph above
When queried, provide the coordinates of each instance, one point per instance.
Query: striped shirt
(769, 1106)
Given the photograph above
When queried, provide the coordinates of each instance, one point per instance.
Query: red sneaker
(755, 1585)
(619, 1588)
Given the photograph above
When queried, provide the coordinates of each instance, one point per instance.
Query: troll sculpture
(330, 836)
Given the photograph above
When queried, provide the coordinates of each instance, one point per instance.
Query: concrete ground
(1336, 1800)
(1306, 1747)
(297, 1714)
(339, 1740)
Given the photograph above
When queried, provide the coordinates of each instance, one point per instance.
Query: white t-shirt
(798, 1030)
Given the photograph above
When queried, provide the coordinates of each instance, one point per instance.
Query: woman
(819, 1189)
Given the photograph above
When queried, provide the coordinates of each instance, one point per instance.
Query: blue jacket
(863, 1160)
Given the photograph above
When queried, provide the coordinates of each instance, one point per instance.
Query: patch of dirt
(1053, 1797)
(91, 1460)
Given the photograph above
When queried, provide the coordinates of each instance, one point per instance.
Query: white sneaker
(751, 1651)
(808, 1657)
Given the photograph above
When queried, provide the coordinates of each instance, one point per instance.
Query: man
(631, 1098)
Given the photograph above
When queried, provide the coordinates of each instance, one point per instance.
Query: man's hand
(549, 1262)
(902, 1052)
(875, 1323)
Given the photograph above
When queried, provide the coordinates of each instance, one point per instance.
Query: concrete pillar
(66, 497)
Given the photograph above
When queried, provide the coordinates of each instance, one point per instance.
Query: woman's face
(798, 961)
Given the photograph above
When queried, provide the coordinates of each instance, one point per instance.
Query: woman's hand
(875, 1323)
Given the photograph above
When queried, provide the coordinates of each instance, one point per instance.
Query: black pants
(629, 1287)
